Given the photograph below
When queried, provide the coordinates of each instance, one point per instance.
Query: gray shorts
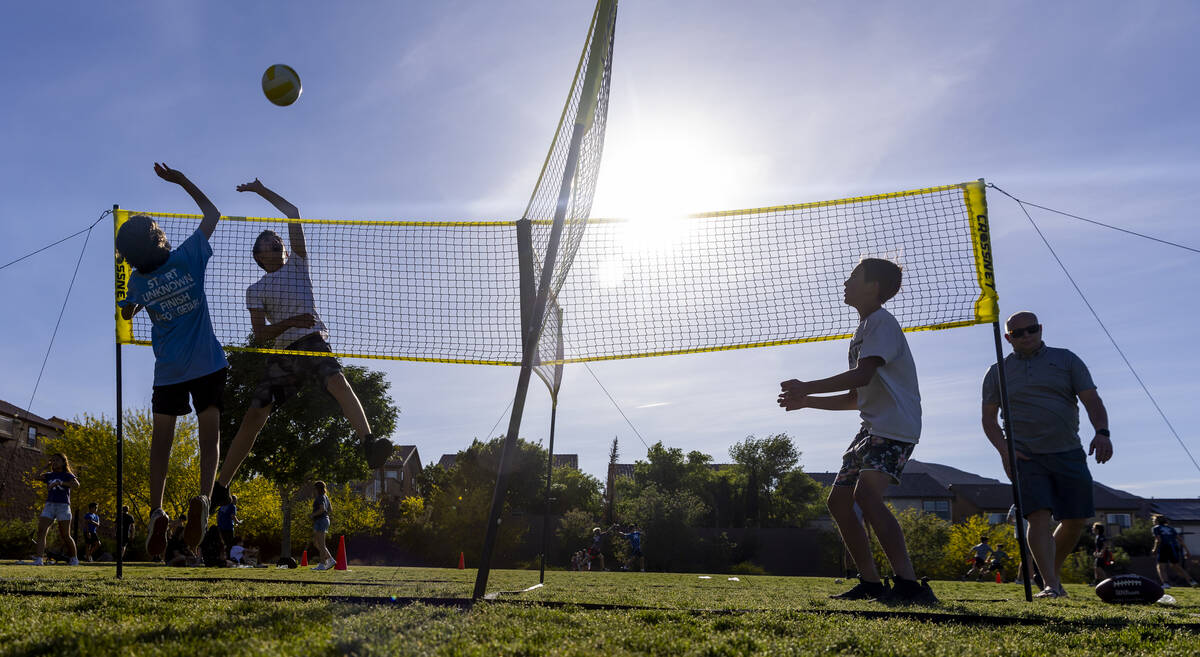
(1060, 482)
(60, 511)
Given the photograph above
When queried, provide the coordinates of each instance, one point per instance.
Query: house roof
(919, 485)
(401, 454)
(946, 475)
(447, 461)
(13, 410)
(1177, 510)
(994, 497)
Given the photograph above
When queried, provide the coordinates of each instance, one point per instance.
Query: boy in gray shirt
(881, 385)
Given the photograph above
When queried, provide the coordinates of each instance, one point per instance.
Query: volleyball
(281, 84)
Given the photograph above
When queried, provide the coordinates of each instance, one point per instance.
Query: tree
(765, 462)
(306, 438)
(926, 536)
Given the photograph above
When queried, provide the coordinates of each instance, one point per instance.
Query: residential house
(397, 477)
(23, 438)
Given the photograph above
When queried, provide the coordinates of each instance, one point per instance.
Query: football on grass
(1129, 589)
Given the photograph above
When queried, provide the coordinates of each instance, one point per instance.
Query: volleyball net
(450, 291)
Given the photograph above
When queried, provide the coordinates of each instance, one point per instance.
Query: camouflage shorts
(869, 452)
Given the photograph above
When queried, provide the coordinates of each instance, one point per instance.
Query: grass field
(411, 611)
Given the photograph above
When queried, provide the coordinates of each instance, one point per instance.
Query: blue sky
(445, 110)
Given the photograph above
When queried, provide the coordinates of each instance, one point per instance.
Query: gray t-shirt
(283, 293)
(890, 404)
(1042, 396)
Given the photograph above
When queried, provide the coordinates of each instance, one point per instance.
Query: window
(1121, 520)
(32, 441)
(997, 518)
(6, 426)
(391, 474)
(939, 507)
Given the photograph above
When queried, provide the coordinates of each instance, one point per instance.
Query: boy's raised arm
(295, 231)
(211, 214)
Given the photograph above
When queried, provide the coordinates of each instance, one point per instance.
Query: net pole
(530, 351)
(549, 478)
(120, 436)
(1022, 539)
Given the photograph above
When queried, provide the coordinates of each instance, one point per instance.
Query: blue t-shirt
(635, 541)
(1168, 536)
(225, 516)
(92, 523)
(185, 346)
(58, 494)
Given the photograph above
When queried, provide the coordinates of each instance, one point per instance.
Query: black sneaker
(862, 591)
(907, 592)
(376, 451)
(220, 497)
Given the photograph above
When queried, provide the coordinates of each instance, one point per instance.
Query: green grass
(196, 612)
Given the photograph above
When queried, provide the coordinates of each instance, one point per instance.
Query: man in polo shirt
(1043, 385)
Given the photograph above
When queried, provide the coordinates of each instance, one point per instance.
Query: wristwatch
(1103, 432)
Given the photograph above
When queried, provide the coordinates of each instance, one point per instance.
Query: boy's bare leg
(339, 387)
(854, 535)
(869, 496)
(243, 442)
(210, 446)
(160, 455)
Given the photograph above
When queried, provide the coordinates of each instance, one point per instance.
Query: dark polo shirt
(1042, 392)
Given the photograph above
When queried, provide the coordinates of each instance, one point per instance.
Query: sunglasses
(1031, 330)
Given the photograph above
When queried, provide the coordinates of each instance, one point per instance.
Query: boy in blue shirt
(881, 385)
(91, 530)
(188, 360)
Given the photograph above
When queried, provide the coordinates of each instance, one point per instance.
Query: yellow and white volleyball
(281, 84)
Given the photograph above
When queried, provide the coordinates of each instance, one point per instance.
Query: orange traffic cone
(999, 579)
(304, 559)
(462, 562)
(341, 555)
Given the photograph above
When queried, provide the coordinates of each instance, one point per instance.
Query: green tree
(667, 520)
(966, 534)
(1137, 540)
(306, 438)
(926, 535)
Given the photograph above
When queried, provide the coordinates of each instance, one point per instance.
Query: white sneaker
(38, 562)
(73, 562)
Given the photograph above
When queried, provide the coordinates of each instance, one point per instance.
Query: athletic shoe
(328, 564)
(73, 562)
(197, 521)
(156, 533)
(862, 591)
(220, 497)
(905, 592)
(1050, 593)
(38, 562)
(376, 451)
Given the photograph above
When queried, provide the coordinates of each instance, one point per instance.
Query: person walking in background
(321, 516)
(59, 481)
(91, 531)
(127, 526)
(1170, 551)
(227, 521)
(1045, 385)
(1101, 553)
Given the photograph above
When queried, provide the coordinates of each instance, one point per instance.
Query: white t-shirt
(890, 404)
(283, 293)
